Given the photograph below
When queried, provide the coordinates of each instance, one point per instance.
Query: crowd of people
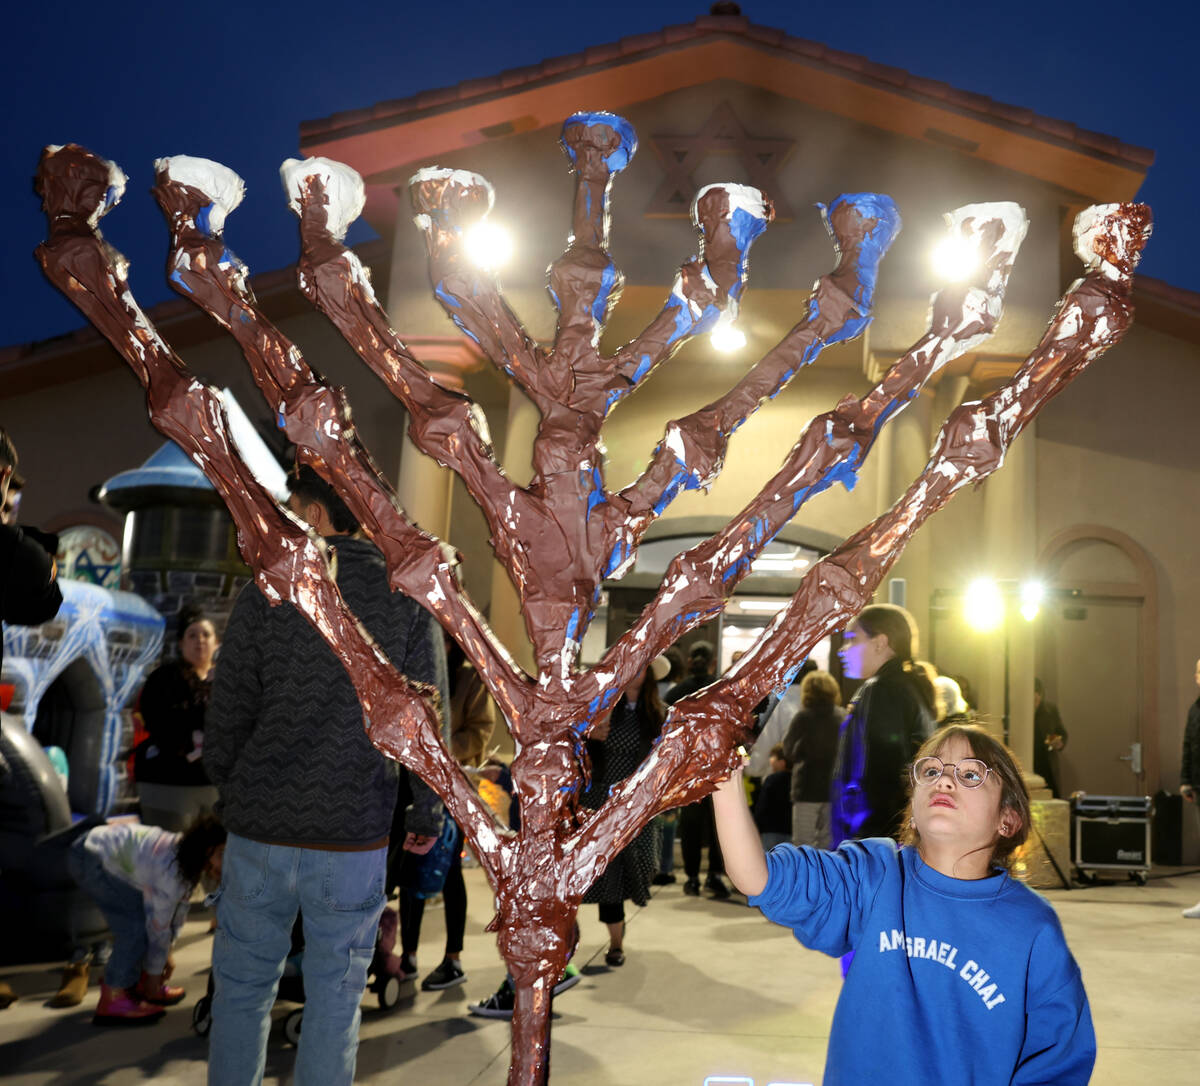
(880, 831)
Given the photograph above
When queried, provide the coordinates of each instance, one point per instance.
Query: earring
(912, 823)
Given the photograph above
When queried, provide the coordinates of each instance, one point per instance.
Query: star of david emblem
(722, 133)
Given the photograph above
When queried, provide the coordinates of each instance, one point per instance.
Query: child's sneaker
(497, 1005)
(407, 969)
(119, 1007)
(153, 990)
(446, 975)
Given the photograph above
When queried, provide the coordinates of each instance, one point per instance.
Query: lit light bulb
(1032, 594)
(983, 607)
(955, 260)
(726, 337)
(488, 246)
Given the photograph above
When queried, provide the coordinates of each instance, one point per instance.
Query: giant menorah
(561, 536)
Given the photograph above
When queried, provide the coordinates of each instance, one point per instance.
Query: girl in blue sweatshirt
(960, 973)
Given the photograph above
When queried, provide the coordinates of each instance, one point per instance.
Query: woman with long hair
(810, 746)
(616, 748)
(172, 785)
(890, 717)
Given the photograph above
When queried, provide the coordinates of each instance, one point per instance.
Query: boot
(74, 986)
(158, 991)
(119, 1007)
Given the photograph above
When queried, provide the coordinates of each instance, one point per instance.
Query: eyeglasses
(970, 772)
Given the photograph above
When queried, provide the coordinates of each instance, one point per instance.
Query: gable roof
(386, 141)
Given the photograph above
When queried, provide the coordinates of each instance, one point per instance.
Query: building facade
(1093, 500)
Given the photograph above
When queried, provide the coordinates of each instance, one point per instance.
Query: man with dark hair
(308, 803)
(696, 825)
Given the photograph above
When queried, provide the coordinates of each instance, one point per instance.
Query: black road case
(1111, 833)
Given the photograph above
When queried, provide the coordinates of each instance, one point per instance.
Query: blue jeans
(123, 908)
(340, 896)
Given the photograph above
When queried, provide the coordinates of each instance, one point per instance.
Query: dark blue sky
(233, 85)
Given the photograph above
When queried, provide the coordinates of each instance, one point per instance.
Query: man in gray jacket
(308, 804)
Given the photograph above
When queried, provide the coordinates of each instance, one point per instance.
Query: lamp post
(986, 606)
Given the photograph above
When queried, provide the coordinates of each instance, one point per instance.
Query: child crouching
(960, 973)
(142, 878)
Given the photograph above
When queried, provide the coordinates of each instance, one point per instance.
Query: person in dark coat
(810, 745)
(172, 785)
(616, 747)
(696, 827)
(890, 717)
(29, 593)
(773, 804)
(1049, 737)
(1189, 770)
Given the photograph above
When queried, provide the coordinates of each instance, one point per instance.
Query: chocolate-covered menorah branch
(564, 533)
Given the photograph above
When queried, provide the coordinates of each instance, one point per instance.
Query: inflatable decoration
(73, 680)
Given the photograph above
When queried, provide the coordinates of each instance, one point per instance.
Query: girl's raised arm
(741, 845)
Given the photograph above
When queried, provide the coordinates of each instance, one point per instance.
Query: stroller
(385, 978)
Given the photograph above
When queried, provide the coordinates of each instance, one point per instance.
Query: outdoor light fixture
(781, 564)
(1032, 594)
(726, 337)
(488, 245)
(767, 607)
(954, 260)
(983, 605)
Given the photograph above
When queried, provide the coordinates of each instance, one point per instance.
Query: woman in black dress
(172, 784)
(616, 748)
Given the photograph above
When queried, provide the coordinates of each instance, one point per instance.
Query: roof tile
(804, 47)
(602, 54)
(567, 63)
(516, 77)
(1013, 114)
(885, 73)
(639, 43)
(846, 60)
(436, 97)
(1062, 129)
(473, 88)
(768, 34)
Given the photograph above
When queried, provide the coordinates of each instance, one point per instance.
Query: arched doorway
(1097, 653)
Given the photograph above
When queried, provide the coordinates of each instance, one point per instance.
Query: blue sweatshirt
(962, 981)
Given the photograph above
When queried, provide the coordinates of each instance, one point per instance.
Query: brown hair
(1003, 764)
(900, 629)
(8, 451)
(819, 688)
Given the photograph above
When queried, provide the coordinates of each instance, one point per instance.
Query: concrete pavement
(708, 988)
